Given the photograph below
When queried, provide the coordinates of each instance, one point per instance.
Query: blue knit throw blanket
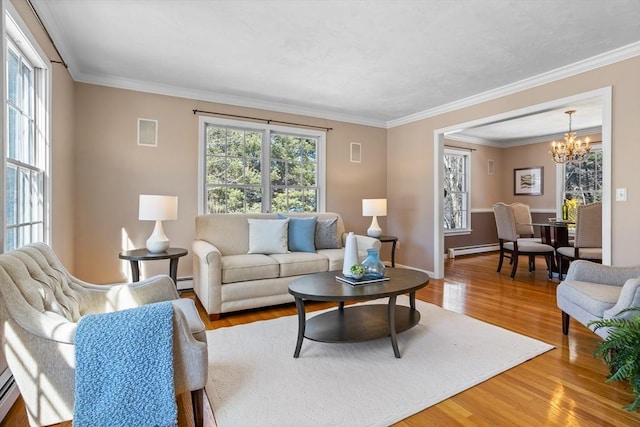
(124, 368)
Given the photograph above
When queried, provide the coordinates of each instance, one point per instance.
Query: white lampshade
(154, 208)
(374, 208)
(158, 209)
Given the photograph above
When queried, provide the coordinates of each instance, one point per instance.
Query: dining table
(556, 234)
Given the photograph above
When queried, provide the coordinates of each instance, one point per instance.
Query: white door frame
(438, 152)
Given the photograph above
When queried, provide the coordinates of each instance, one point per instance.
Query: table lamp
(158, 209)
(374, 208)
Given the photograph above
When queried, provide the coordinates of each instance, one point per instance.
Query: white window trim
(15, 28)
(320, 155)
(467, 154)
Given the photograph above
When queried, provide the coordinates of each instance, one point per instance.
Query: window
(25, 150)
(582, 182)
(456, 191)
(235, 177)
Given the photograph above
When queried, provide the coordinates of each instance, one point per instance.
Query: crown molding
(598, 61)
(521, 141)
(182, 92)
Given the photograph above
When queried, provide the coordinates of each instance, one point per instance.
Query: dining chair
(587, 243)
(524, 228)
(512, 246)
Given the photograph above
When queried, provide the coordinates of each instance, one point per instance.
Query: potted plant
(621, 351)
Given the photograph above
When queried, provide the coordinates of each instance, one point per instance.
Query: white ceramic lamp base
(374, 230)
(158, 241)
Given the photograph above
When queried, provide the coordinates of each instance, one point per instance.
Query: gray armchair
(593, 291)
(40, 306)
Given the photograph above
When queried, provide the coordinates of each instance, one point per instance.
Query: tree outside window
(456, 190)
(236, 179)
(583, 182)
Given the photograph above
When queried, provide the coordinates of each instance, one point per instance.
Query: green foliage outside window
(234, 171)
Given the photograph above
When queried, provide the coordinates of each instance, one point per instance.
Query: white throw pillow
(268, 236)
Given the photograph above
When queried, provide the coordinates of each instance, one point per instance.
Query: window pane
(14, 77)
(14, 134)
(10, 239)
(11, 197)
(24, 210)
(27, 91)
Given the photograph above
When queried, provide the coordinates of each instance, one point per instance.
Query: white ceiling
(371, 62)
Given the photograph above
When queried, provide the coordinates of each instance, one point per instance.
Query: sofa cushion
(301, 233)
(326, 236)
(297, 263)
(239, 268)
(268, 236)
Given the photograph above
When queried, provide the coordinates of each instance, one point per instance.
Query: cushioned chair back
(505, 222)
(35, 276)
(589, 226)
(522, 216)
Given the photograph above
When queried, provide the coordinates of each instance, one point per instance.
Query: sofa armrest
(207, 275)
(586, 271)
(366, 242)
(629, 297)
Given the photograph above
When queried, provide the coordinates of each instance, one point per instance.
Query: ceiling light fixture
(571, 150)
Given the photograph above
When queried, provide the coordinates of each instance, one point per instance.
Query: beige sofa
(227, 277)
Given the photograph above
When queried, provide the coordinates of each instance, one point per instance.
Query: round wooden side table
(136, 255)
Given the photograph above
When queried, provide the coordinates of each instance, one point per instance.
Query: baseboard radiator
(475, 249)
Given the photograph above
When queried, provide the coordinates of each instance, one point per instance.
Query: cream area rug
(255, 381)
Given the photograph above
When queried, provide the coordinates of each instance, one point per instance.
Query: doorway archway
(603, 95)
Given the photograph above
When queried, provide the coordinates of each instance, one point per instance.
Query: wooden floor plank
(563, 387)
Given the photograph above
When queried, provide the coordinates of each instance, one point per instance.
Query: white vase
(350, 254)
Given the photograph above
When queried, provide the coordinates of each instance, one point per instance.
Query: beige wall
(113, 170)
(410, 159)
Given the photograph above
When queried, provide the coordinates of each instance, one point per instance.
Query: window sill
(457, 232)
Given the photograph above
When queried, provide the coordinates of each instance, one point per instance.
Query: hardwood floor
(563, 387)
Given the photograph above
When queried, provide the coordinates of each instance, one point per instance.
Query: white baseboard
(468, 250)
(185, 283)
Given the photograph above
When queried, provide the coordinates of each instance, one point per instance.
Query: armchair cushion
(594, 298)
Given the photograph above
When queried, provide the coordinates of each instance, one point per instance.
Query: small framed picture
(528, 181)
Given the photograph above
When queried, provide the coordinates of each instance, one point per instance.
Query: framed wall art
(528, 181)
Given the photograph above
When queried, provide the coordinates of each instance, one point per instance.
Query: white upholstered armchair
(40, 306)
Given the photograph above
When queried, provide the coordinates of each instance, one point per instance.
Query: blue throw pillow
(301, 233)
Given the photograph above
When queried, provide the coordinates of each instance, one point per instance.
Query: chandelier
(571, 149)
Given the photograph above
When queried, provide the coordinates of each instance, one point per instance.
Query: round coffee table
(360, 322)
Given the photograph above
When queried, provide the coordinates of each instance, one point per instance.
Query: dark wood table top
(145, 255)
(325, 287)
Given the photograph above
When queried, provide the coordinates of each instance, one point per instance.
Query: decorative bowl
(357, 271)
